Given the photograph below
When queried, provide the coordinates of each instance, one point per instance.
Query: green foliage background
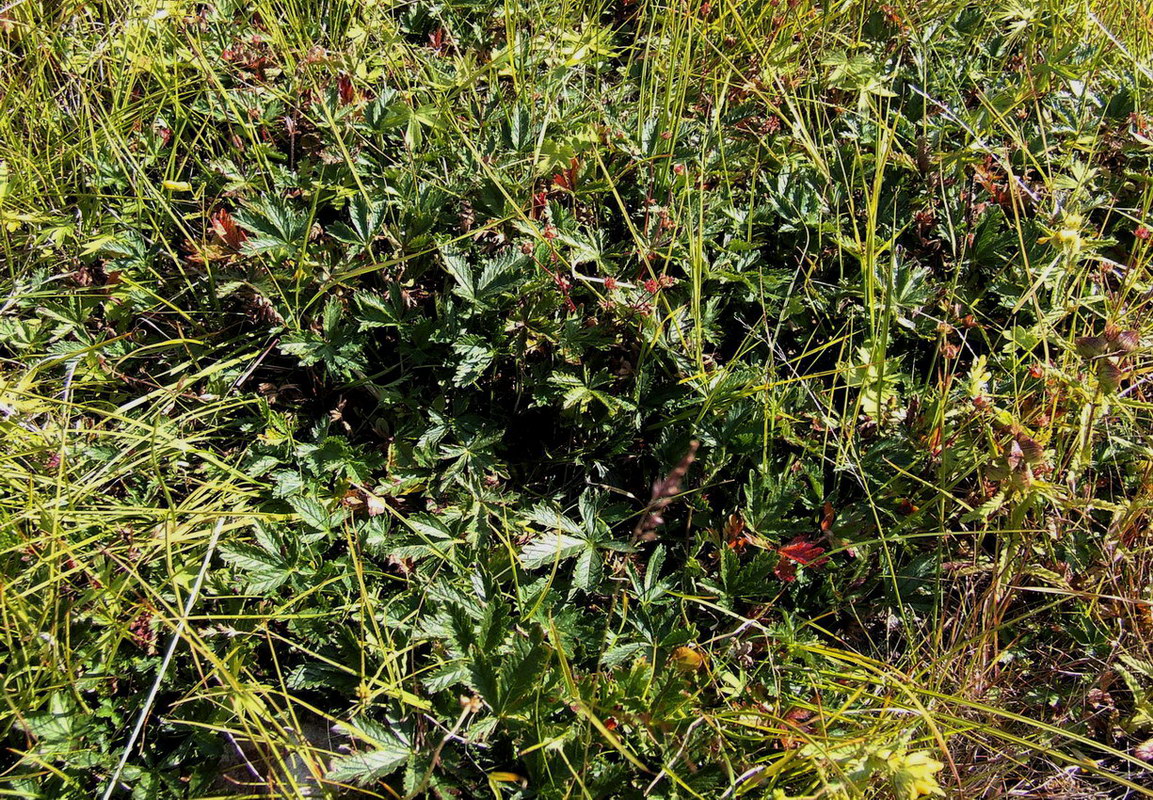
(345, 341)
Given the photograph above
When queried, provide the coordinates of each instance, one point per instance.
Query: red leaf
(735, 536)
(567, 178)
(227, 229)
(785, 570)
(539, 204)
(345, 89)
(827, 517)
(798, 551)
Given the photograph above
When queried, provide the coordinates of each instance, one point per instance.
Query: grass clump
(550, 400)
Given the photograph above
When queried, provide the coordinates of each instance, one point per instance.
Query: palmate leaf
(367, 222)
(563, 539)
(550, 548)
(339, 348)
(126, 249)
(911, 290)
(521, 669)
(389, 752)
(273, 225)
(58, 728)
(518, 129)
(548, 517)
(376, 311)
(446, 676)
(263, 571)
(475, 357)
(315, 515)
(619, 654)
(495, 623)
(579, 393)
(337, 456)
(507, 682)
(429, 537)
(589, 569)
(566, 538)
(498, 275)
(461, 271)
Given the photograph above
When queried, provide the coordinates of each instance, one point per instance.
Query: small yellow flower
(1069, 238)
(177, 186)
(687, 659)
(913, 775)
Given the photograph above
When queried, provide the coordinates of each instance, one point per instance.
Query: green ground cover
(477, 399)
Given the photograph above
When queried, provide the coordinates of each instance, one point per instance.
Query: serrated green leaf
(372, 765)
(273, 225)
(312, 513)
(550, 548)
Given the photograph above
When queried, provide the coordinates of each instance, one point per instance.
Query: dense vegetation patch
(476, 399)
